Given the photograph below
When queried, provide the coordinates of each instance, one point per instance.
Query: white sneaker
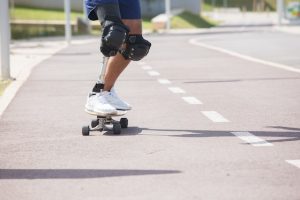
(118, 103)
(97, 103)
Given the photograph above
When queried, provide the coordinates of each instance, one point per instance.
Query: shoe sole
(118, 109)
(117, 113)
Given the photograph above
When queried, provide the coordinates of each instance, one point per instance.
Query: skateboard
(105, 122)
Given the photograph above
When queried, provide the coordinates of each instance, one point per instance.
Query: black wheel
(94, 123)
(85, 131)
(117, 128)
(124, 122)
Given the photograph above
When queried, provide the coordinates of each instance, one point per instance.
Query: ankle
(107, 88)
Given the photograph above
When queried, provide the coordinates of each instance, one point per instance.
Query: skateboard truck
(105, 122)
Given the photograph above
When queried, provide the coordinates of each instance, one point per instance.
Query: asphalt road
(205, 125)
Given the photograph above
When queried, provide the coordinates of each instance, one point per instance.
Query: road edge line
(245, 57)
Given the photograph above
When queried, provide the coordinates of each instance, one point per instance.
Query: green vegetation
(247, 5)
(189, 20)
(207, 7)
(28, 13)
(20, 31)
(28, 31)
(147, 24)
(3, 85)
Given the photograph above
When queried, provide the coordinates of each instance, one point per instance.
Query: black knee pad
(136, 48)
(114, 35)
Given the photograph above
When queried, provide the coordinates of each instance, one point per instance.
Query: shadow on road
(290, 133)
(130, 131)
(285, 128)
(239, 80)
(284, 136)
(77, 173)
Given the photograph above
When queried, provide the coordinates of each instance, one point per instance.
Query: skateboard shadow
(130, 131)
(77, 173)
(238, 80)
(289, 133)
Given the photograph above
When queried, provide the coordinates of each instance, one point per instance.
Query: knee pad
(136, 48)
(114, 35)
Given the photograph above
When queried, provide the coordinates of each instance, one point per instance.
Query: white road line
(191, 100)
(176, 90)
(215, 116)
(164, 81)
(153, 73)
(252, 139)
(245, 57)
(294, 162)
(146, 67)
(141, 63)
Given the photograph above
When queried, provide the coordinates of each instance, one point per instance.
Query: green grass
(147, 24)
(189, 20)
(3, 85)
(270, 5)
(26, 32)
(28, 13)
(207, 7)
(184, 20)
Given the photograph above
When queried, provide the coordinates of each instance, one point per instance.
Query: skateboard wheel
(85, 131)
(94, 123)
(124, 122)
(117, 128)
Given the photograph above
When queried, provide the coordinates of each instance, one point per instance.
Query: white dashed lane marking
(296, 163)
(192, 100)
(141, 63)
(164, 81)
(215, 116)
(252, 139)
(146, 67)
(153, 73)
(176, 90)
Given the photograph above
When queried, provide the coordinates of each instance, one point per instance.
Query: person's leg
(134, 46)
(113, 37)
(118, 63)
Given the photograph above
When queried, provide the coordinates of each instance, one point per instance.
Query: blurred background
(28, 19)
(32, 18)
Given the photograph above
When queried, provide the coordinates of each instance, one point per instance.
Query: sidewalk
(295, 29)
(26, 54)
(243, 18)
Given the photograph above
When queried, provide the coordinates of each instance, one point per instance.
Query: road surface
(207, 123)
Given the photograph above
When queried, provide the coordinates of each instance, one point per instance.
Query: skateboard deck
(119, 113)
